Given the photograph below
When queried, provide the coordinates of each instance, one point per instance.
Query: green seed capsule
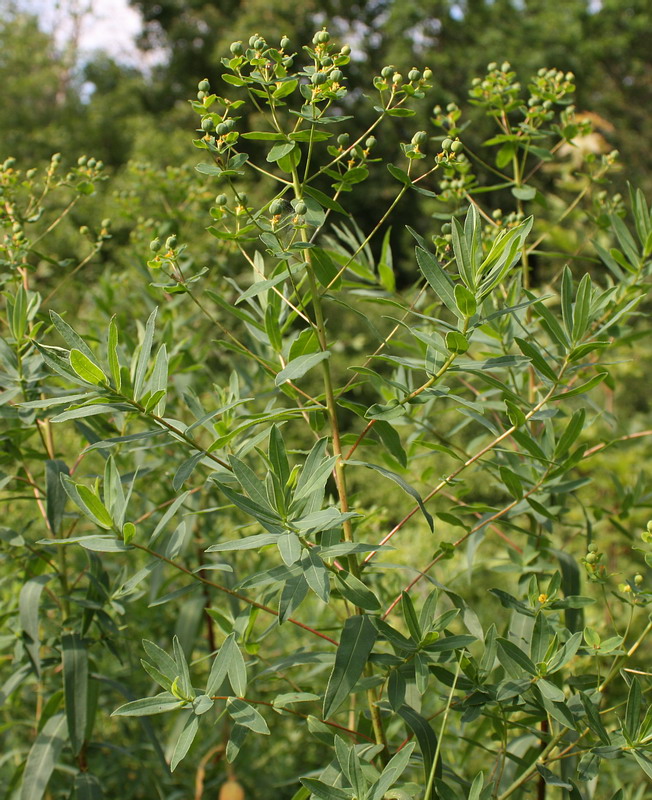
(92, 162)
(371, 141)
(336, 75)
(591, 558)
(201, 95)
(451, 107)
(414, 75)
(327, 61)
(346, 50)
(84, 230)
(505, 66)
(253, 39)
(285, 43)
(427, 74)
(221, 200)
(30, 174)
(222, 129)
(343, 139)
(106, 223)
(171, 242)
(387, 72)
(56, 158)
(155, 245)
(288, 62)
(81, 161)
(204, 85)
(323, 37)
(236, 48)
(259, 44)
(457, 146)
(638, 579)
(207, 124)
(276, 207)
(318, 78)
(446, 145)
(420, 138)
(300, 208)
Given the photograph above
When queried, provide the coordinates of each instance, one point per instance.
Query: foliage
(346, 522)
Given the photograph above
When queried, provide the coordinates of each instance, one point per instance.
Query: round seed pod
(446, 145)
(231, 790)
(236, 48)
(638, 579)
(253, 39)
(207, 124)
(92, 162)
(427, 74)
(201, 95)
(221, 200)
(276, 207)
(457, 146)
(84, 230)
(81, 161)
(590, 558)
(505, 66)
(222, 129)
(288, 62)
(414, 75)
(204, 85)
(371, 141)
(420, 138)
(336, 75)
(323, 37)
(387, 72)
(317, 78)
(259, 44)
(285, 43)
(343, 139)
(327, 61)
(346, 50)
(171, 242)
(300, 208)
(155, 245)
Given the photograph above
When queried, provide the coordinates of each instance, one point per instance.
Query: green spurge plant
(347, 509)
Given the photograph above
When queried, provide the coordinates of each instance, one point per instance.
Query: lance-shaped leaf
(75, 688)
(356, 642)
(43, 757)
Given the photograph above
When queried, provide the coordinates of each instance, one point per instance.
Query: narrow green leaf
(143, 355)
(28, 613)
(299, 366)
(596, 380)
(426, 738)
(185, 740)
(356, 642)
(148, 706)
(439, 280)
(43, 757)
(75, 687)
(247, 716)
(86, 369)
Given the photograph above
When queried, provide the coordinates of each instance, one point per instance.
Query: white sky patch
(109, 26)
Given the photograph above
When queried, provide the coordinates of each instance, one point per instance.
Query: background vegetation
(124, 174)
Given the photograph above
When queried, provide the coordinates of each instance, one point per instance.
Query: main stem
(340, 477)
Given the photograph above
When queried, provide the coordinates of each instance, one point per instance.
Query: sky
(107, 25)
